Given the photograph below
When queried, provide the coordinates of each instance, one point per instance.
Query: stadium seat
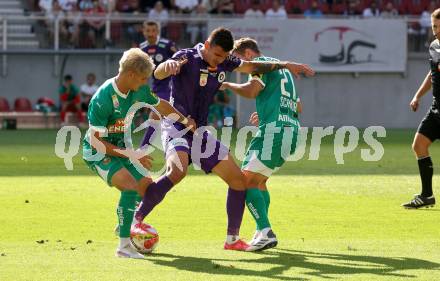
(241, 6)
(22, 105)
(4, 105)
(416, 7)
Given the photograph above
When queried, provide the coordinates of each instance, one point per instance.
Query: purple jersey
(160, 52)
(194, 88)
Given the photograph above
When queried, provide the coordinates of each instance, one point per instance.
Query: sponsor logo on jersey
(115, 101)
(160, 45)
(151, 51)
(118, 127)
(159, 57)
(221, 77)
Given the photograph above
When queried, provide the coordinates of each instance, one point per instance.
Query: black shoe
(419, 202)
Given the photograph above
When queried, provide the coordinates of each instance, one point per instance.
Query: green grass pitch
(333, 221)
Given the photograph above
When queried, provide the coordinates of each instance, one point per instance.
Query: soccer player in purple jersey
(196, 75)
(160, 50)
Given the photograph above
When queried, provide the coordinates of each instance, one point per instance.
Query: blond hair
(137, 61)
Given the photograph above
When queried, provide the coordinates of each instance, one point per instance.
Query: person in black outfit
(429, 128)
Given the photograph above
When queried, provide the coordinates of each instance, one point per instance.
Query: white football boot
(256, 234)
(266, 239)
(126, 250)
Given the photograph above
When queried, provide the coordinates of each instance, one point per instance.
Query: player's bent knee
(175, 174)
(123, 180)
(143, 185)
(420, 148)
(238, 183)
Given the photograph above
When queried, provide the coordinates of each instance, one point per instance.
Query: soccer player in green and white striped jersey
(105, 150)
(276, 102)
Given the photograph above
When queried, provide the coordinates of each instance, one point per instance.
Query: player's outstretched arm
(423, 89)
(165, 109)
(250, 89)
(296, 69)
(168, 68)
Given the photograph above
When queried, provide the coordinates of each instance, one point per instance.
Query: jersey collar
(115, 87)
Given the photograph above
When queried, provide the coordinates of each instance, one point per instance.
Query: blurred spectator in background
(254, 10)
(313, 12)
(425, 33)
(109, 6)
(146, 5)
(225, 7)
(87, 90)
(389, 11)
(197, 30)
(277, 11)
(296, 7)
(127, 6)
(70, 99)
(45, 5)
(158, 13)
(67, 5)
(209, 4)
(186, 6)
(352, 9)
(134, 30)
(73, 24)
(85, 5)
(95, 27)
(371, 11)
(51, 15)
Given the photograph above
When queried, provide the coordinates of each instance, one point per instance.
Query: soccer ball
(145, 239)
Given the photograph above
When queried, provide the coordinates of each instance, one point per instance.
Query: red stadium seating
(4, 105)
(22, 105)
(416, 7)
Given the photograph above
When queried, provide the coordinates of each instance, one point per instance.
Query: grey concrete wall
(328, 99)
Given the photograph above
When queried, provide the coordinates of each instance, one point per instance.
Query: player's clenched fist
(173, 67)
(146, 161)
(414, 104)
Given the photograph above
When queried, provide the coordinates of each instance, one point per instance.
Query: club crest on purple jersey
(221, 77)
(203, 77)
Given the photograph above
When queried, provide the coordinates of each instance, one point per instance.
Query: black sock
(426, 171)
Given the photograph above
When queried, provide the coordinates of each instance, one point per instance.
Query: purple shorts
(203, 149)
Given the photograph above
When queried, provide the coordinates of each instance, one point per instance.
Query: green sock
(125, 212)
(257, 207)
(138, 200)
(266, 197)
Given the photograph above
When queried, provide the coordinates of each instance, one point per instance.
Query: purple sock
(154, 195)
(235, 209)
(147, 137)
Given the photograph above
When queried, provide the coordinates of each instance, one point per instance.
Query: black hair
(222, 37)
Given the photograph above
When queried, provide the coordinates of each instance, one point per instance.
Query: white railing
(56, 49)
(110, 18)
